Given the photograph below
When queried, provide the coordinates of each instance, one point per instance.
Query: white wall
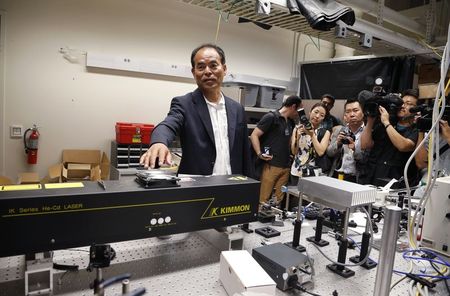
(77, 108)
(2, 90)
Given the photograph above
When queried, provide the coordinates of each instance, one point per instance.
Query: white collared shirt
(218, 114)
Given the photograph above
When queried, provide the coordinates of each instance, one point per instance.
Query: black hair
(330, 96)
(208, 45)
(327, 113)
(411, 92)
(292, 100)
(351, 101)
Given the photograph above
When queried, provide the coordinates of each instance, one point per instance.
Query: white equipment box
(240, 273)
(436, 224)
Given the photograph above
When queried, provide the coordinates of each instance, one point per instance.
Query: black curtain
(345, 79)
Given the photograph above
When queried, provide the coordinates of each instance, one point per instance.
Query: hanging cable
(221, 15)
(438, 110)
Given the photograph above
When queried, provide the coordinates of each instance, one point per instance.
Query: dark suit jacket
(189, 117)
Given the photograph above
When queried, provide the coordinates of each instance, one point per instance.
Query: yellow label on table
(64, 185)
(21, 187)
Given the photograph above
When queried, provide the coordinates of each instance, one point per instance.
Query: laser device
(50, 218)
(285, 266)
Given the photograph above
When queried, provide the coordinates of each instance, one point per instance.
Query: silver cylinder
(300, 207)
(125, 286)
(345, 228)
(99, 275)
(100, 291)
(387, 251)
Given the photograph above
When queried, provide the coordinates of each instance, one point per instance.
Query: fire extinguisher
(31, 144)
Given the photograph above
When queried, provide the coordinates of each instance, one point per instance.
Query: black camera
(425, 121)
(348, 134)
(303, 119)
(372, 100)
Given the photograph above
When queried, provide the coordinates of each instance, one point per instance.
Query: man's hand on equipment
(157, 150)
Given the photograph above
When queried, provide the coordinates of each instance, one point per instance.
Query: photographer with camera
(309, 143)
(421, 157)
(270, 141)
(345, 146)
(391, 137)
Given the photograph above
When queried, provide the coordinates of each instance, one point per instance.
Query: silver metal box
(336, 193)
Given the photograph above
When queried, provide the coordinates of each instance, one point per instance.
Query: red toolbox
(133, 133)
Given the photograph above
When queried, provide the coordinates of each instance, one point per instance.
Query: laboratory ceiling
(394, 27)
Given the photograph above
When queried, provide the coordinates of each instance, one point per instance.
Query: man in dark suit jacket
(212, 127)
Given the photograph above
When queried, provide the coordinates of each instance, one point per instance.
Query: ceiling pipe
(389, 15)
(371, 8)
(389, 36)
(341, 51)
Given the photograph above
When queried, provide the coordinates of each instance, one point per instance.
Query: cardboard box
(78, 165)
(78, 171)
(428, 91)
(429, 73)
(5, 181)
(29, 178)
(239, 273)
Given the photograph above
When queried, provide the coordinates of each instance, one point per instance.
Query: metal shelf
(385, 41)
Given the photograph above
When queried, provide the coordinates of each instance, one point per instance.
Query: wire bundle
(433, 149)
(421, 282)
(426, 268)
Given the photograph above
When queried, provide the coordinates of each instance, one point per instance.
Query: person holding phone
(270, 141)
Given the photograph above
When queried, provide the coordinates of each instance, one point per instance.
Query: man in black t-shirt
(271, 141)
(391, 144)
(330, 121)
